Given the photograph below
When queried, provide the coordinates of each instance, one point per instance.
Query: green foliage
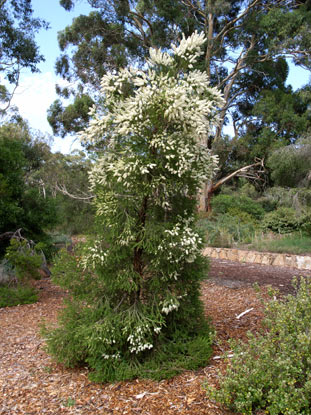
(282, 220)
(87, 323)
(12, 296)
(290, 165)
(272, 371)
(21, 203)
(18, 47)
(71, 119)
(25, 260)
(75, 216)
(296, 198)
(236, 205)
(66, 178)
(305, 221)
(226, 230)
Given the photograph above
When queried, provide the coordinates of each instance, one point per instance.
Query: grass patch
(12, 296)
(286, 244)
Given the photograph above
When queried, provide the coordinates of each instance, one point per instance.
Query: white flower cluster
(170, 305)
(157, 329)
(115, 356)
(181, 243)
(157, 57)
(184, 99)
(190, 48)
(137, 339)
(94, 256)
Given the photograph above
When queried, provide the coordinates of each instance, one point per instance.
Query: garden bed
(31, 383)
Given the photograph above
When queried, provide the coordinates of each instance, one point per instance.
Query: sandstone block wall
(264, 258)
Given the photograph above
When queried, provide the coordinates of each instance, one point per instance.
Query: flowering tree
(142, 274)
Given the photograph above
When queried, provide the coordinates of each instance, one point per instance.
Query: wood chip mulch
(32, 384)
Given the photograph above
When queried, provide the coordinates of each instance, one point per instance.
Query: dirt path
(235, 274)
(32, 384)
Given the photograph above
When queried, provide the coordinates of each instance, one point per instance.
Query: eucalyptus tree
(18, 49)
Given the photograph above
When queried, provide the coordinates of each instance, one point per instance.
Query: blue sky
(37, 91)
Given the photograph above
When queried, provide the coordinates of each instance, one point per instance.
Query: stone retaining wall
(264, 258)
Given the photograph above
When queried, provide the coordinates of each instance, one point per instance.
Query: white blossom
(154, 128)
(170, 305)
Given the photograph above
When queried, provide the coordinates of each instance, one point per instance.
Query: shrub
(227, 230)
(282, 220)
(272, 372)
(12, 296)
(305, 221)
(135, 293)
(24, 259)
(90, 329)
(297, 198)
(224, 203)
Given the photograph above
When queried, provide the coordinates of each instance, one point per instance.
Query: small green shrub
(25, 260)
(12, 296)
(223, 203)
(272, 372)
(241, 216)
(282, 220)
(226, 230)
(297, 198)
(305, 221)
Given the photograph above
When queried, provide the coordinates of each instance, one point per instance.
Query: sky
(37, 91)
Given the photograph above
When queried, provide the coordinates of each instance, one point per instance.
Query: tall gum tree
(247, 43)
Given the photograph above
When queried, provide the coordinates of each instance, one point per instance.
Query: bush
(306, 223)
(6, 272)
(222, 204)
(12, 296)
(282, 220)
(228, 230)
(297, 198)
(92, 333)
(24, 259)
(136, 290)
(272, 372)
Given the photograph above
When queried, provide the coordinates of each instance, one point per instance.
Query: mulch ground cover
(31, 383)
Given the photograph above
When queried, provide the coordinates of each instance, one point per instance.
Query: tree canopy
(18, 48)
(244, 55)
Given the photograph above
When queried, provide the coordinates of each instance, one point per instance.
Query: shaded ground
(32, 384)
(236, 274)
